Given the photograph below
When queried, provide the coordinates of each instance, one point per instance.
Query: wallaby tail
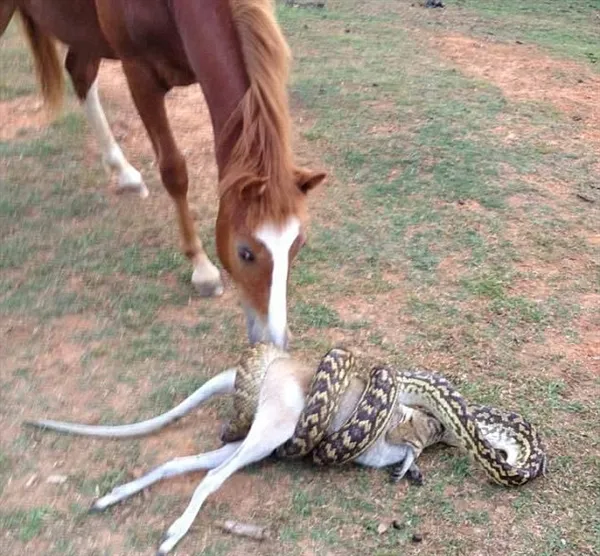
(223, 383)
(48, 66)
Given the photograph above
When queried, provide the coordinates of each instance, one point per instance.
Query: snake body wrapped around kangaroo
(338, 413)
(417, 408)
(349, 410)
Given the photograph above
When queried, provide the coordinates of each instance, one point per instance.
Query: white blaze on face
(278, 242)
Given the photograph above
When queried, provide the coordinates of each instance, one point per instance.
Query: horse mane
(261, 158)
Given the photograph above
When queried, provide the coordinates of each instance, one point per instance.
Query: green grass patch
(564, 28)
(27, 524)
(315, 315)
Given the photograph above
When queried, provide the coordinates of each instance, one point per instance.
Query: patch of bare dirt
(535, 289)
(520, 200)
(585, 349)
(554, 270)
(556, 188)
(526, 73)
(471, 205)
(391, 320)
(243, 490)
(452, 267)
(21, 115)
(385, 130)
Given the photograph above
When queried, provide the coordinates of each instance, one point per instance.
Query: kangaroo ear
(307, 179)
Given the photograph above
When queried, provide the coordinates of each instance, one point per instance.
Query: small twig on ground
(586, 198)
(256, 532)
(303, 4)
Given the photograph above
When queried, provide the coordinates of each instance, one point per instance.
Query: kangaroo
(281, 401)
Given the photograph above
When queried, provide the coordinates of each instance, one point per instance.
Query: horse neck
(244, 81)
(214, 54)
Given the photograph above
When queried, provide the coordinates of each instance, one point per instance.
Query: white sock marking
(278, 241)
(112, 155)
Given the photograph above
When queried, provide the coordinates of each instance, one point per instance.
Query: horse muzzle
(258, 330)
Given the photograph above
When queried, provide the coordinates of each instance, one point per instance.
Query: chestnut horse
(235, 50)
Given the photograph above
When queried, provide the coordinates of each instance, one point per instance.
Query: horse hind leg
(84, 75)
(149, 98)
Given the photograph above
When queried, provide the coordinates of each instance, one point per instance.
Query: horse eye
(245, 254)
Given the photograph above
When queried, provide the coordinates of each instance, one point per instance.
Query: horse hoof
(133, 188)
(206, 283)
(208, 289)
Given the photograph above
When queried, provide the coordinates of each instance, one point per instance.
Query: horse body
(236, 52)
(79, 30)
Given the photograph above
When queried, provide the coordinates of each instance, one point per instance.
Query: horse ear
(307, 179)
(253, 188)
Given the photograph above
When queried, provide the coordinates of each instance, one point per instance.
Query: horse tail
(48, 66)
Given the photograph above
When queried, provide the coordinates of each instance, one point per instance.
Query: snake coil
(487, 434)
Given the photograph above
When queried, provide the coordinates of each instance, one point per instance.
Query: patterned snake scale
(485, 433)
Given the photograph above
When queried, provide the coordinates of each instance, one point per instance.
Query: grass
(567, 29)
(90, 486)
(437, 243)
(26, 524)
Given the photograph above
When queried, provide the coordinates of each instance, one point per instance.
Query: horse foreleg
(149, 98)
(177, 466)
(84, 75)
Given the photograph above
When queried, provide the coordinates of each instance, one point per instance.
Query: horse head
(260, 230)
